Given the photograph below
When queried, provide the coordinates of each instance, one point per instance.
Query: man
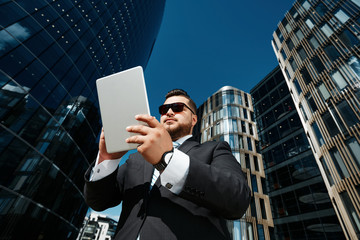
(200, 185)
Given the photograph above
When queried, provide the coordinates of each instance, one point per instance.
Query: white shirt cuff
(175, 174)
(105, 168)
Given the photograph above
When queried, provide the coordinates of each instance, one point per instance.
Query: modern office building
(301, 206)
(97, 227)
(51, 53)
(317, 46)
(228, 115)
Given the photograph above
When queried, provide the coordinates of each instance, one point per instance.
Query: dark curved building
(51, 53)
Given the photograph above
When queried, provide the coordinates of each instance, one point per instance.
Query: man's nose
(170, 112)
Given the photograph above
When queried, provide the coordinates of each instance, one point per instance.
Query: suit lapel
(187, 145)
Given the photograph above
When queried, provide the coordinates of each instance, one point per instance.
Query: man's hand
(103, 154)
(154, 140)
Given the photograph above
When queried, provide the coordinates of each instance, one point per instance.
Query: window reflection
(354, 64)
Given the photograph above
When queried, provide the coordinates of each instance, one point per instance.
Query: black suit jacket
(215, 190)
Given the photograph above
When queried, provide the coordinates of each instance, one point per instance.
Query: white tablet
(121, 96)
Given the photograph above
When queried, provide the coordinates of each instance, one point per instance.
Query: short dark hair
(183, 93)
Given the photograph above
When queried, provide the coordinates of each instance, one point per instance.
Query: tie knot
(176, 144)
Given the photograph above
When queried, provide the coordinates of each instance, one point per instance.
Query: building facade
(317, 46)
(97, 227)
(227, 115)
(51, 53)
(301, 206)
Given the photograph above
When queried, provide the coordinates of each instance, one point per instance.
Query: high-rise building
(317, 46)
(300, 204)
(227, 115)
(97, 227)
(51, 53)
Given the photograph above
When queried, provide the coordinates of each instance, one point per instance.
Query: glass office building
(227, 115)
(300, 204)
(317, 46)
(51, 53)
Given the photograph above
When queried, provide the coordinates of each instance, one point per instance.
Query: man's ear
(194, 119)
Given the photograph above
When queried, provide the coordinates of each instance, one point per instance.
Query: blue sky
(204, 45)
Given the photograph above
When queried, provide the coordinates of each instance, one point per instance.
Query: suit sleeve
(106, 192)
(218, 184)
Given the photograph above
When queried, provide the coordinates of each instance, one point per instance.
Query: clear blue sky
(204, 45)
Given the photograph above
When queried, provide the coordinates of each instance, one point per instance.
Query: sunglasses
(175, 107)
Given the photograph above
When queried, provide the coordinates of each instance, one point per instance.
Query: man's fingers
(143, 130)
(150, 120)
(136, 139)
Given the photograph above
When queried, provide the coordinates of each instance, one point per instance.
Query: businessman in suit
(169, 191)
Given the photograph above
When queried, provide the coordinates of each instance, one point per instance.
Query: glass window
(293, 64)
(260, 232)
(314, 43)
(323, 91)
(290, 44)
(357, 2)
(302, 54)
(341, 15)
(283, 54)
(235, 111)
(247, 99)
(306, 5)
(228, 97)
(243, 127)
(299, 34)
(303, 112)
(254, 183)
(321, 9)
(274, 97)
(218, 99)
(245, 113)
(249, 144)
(294, 13)
(247, 160)
(331, 52)
(309, 23)
(338, 79)
(330, 124)
(354, 147)
(347, 113)
(348, 38)
(234, 125)
(311, 102)
(263, 210)
(239, 98)
(326, 30)
(279, 34)
(279, 111)
(327, 171)
(297, 86)
(306, 76)
(256, 163)
(288, 28)
(354, 65)
(349, 206)
(319, 66)
(318, 134)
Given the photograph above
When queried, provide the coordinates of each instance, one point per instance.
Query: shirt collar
(183, 139)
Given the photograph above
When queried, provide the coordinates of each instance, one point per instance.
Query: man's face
(178, 124)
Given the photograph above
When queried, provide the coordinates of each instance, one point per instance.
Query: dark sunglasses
(175, 107)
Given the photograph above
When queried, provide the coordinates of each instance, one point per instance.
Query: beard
(179, 131)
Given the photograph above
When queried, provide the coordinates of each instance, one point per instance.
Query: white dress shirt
(173, 177)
